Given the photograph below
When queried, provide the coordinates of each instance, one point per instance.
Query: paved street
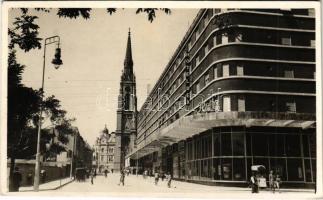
(145, 187)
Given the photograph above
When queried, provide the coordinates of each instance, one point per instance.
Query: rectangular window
(218, 40)
(241, 104)
(207, 79)
(291, 107)
(206, 49)
(311, 12)
(197, 60)
(217, 11)
(189, 45)
(240, 70)
(226, 70)
(289, 73)
(226, 104)
(198, 87)
(215, 70)
(286, 41)
(239, 37)
(225, 39)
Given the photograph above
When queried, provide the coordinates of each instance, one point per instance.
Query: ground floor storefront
(224, 155)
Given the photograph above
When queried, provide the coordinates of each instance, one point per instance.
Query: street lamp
(57, 62)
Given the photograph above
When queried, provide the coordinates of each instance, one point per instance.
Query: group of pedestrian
(168, 177)
(273, 179)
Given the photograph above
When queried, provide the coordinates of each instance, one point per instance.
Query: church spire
(128, 63)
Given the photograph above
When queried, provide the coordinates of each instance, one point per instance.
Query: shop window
(262, 161)
(217, 171)
(241, 104)
(288, 73)
(293, 147)
(312, 140)
(226, 70)
(286, 41)
(226, 144)
(314, 169)
(308, 170)
(248, 144)
(291, 107)
(306, 152)
(216, 143)
(277, 145)
(226, 104)
(278, 165)
(239, 169)
(295, 170)
(238, 144)
(239, 70)
(259, 144)
(227, 169)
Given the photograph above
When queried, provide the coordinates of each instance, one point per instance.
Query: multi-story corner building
(239, 91)
(103, 155)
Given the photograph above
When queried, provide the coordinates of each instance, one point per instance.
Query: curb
(58, 187)
(54, 188)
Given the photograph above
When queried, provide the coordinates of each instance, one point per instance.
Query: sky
(93, 51)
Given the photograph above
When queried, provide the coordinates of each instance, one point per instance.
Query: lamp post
(57, 62)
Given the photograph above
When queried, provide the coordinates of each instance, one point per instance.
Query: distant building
(103, 154)
(239, 91)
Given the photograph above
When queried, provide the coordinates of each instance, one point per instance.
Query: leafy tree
(23, 115)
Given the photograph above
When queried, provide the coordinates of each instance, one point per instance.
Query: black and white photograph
(171, 100)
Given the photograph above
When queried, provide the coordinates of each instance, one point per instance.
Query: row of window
(110, 150)
(225, 38)
(226, 70)
(107, 158)
(222, 38)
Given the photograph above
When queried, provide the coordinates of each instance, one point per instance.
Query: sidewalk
(52, 185)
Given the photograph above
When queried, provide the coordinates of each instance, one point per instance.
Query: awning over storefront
(190, 125)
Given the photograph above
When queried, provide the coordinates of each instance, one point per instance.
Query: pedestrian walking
(271, 179)
(254, 183)
(92, 177)
(16, 179)
(106, 173)
(156, 177)
(122, 176)
(278, 182)
(169, 179)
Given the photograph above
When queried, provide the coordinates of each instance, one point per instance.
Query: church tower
(127, 111)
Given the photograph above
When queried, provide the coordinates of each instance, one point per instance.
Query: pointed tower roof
(128, 62)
